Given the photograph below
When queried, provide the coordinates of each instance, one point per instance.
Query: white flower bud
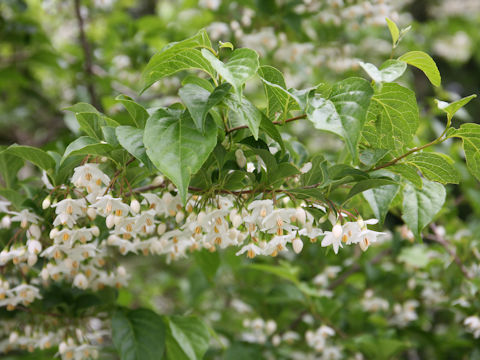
(35, 231)
(158, 180)
(276, 340)
(241, 159)
(179, 217)
(297, 245)
(161, 228)
(337, 230)
(270, 327)
(121, 271)
(46, 203)
(53, 233)
(80, 281)
(110, 221)
(6, 222)
(13, 337)
(91, 213)
(44, 274)
(301, 215)
(62, 348)
(32, 260)
(34, 246)
(95, 230)
(306, 168)
(135, 206)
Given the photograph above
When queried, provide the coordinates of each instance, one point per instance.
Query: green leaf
(388, 72)
(470, 134)
(284, 270)
(244, 113)
(9, 167)
(131, 139)
(35, 155)
(241, 66)
(316, 174)
(344, 112)
(436, 167)
(425, 63)
(228, 45)
(367, 184)
(86, 145)
(204, 83)
(208, 262)
(392, 118)
(393, 31)
(278, 98)
(91, 123)
(138, 334)
(178, 56)
(272, 131)
(137, 112)
(13, 196)
(199, 101)
(453, 107)
(421, 205)
(408, 172)
(82, 107)
(187, 338)
(380, 199)
(176, 147)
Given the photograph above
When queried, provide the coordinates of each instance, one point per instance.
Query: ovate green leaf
(241, 66)
(187, 338)
(138, 334)
(425, 63)
(421, 205)
(176, 147)
(435, 167)
(131, 139)
(35, 155)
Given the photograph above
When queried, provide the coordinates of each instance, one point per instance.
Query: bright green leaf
(35, 155)
(138, 334)
(187, 338)
(388, 72)
(241, 66)
(393, 31)
(435, 166)
(244, 113)
(425, 63)
(131, 139)
(380, 199)
(176, 147)
(178, 56)
(470, 134)
(421, 205)
(86, 145)
(453, 107)
(137, 112)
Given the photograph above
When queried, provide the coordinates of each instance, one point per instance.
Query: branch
(411, 151)
(228, 131)
(88, 63)
(445, 244)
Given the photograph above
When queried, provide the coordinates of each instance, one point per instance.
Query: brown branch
(436, 237)
(88, 61)
(117, 174)
(228, 131)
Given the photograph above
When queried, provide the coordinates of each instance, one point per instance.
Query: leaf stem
(228, 131)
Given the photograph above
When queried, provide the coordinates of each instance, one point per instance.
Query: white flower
(24, 217)
(89, 175)
(333, 238)
(108, 205)
(80, 281)
(473, 325)
(297, 245)
(251, 249)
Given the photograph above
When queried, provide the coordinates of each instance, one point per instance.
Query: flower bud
(300, 215)
(46, 203)
(306, 168)
(337, 230)
(179, 217)
(297, 245)
(135, 206)
(91, 213)
(35, 231)
(13, 337)
(110, 221)
(6, 222)
(158, 180)
(32, 259)
(241, 159)
(161, 228)
(95, 230)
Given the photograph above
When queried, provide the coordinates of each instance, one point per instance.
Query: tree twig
(436, 237)
(228, 131)
(88, 62)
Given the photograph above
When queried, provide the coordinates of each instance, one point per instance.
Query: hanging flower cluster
(90, 225)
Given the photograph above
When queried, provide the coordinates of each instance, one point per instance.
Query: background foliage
(58, 53)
